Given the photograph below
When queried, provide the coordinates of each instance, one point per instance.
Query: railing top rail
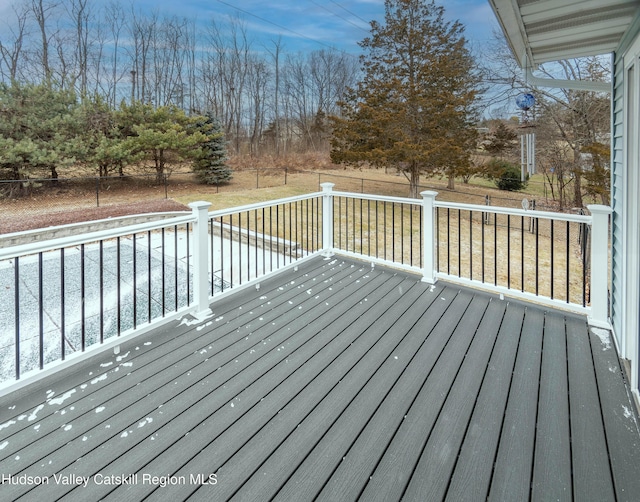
(577, 218)
(381, 198)
(259, 205)
(75, 240)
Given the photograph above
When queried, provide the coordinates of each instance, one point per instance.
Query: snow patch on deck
(63, 398)
(604, 336)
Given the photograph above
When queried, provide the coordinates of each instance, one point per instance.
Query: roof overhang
(540, 31)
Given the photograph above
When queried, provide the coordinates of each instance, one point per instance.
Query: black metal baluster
(175, 264)
(149, 276)
(296, 220)
(270, 238)
(83, 299)
(438, 239)
(118, 288)
(448, 241)
(354, 225)
(459, 246)
(402, 234)
(361, 224)
(16, 283)
(411, 211)
(369, 227)
(393, 232)
(239, 248)
(40, 313)
(278, 236)
(135, 284)
(189, 266)
(337, 216)
(552, 257)
(568, 268)
(213, 278)
(384, 215)
(537, 256)
(101, 260)
(264, 249)
(248, 248)
(509, 251)
(421, 237)
(164, 285)
(62, 305)
(482, 228)
(495, 249)
(255, 237)
(522, 253)
(377, 233)
(470, 245)
(231, 248)
(585, 237)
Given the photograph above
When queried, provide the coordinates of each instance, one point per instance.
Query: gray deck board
(256, 350)
(393, 472)
(552, 462)
(514, 461)
(591, 472)
(338, 381)
(620, 419)
(472, 476)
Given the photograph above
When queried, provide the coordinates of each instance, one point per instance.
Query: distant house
(544, 31)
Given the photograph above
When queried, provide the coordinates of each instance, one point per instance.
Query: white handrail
(259, 205)
(576, 218)
(76, 240)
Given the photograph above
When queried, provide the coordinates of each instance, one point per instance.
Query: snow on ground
(234, 263)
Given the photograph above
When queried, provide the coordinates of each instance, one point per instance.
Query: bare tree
(11, 53)
(580, 118)
(41, 11)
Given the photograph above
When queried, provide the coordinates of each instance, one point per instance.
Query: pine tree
(414, 109)
(210, 167)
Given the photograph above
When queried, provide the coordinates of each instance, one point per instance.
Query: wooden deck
(336, 381)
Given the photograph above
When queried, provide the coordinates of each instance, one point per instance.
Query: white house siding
(625, 299)
(617, 198)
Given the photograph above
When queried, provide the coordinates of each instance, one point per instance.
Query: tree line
(45, 130)
(266, 99)
(127, 86)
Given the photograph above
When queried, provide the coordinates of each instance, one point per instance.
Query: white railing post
(327, 219)
(200, 258)
(599, 265)
(428, 234)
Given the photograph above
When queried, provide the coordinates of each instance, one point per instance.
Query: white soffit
(549, 30)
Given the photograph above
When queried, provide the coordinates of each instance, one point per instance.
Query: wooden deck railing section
(62, 297)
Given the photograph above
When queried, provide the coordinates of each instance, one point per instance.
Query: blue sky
(315, 24)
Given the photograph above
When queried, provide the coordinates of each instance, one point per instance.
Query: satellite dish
(525, 204)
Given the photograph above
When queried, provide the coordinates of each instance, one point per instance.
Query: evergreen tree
(38, 130)
(501, 140)
(414, 109)
(210, 166)
(164, 135)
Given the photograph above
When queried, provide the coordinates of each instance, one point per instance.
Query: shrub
(505, 175)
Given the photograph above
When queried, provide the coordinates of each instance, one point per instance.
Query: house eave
(541, 31)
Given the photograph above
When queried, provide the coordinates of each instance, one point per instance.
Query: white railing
(555, 259)
(61, 299)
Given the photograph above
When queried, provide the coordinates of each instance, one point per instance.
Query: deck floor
(336, 381)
